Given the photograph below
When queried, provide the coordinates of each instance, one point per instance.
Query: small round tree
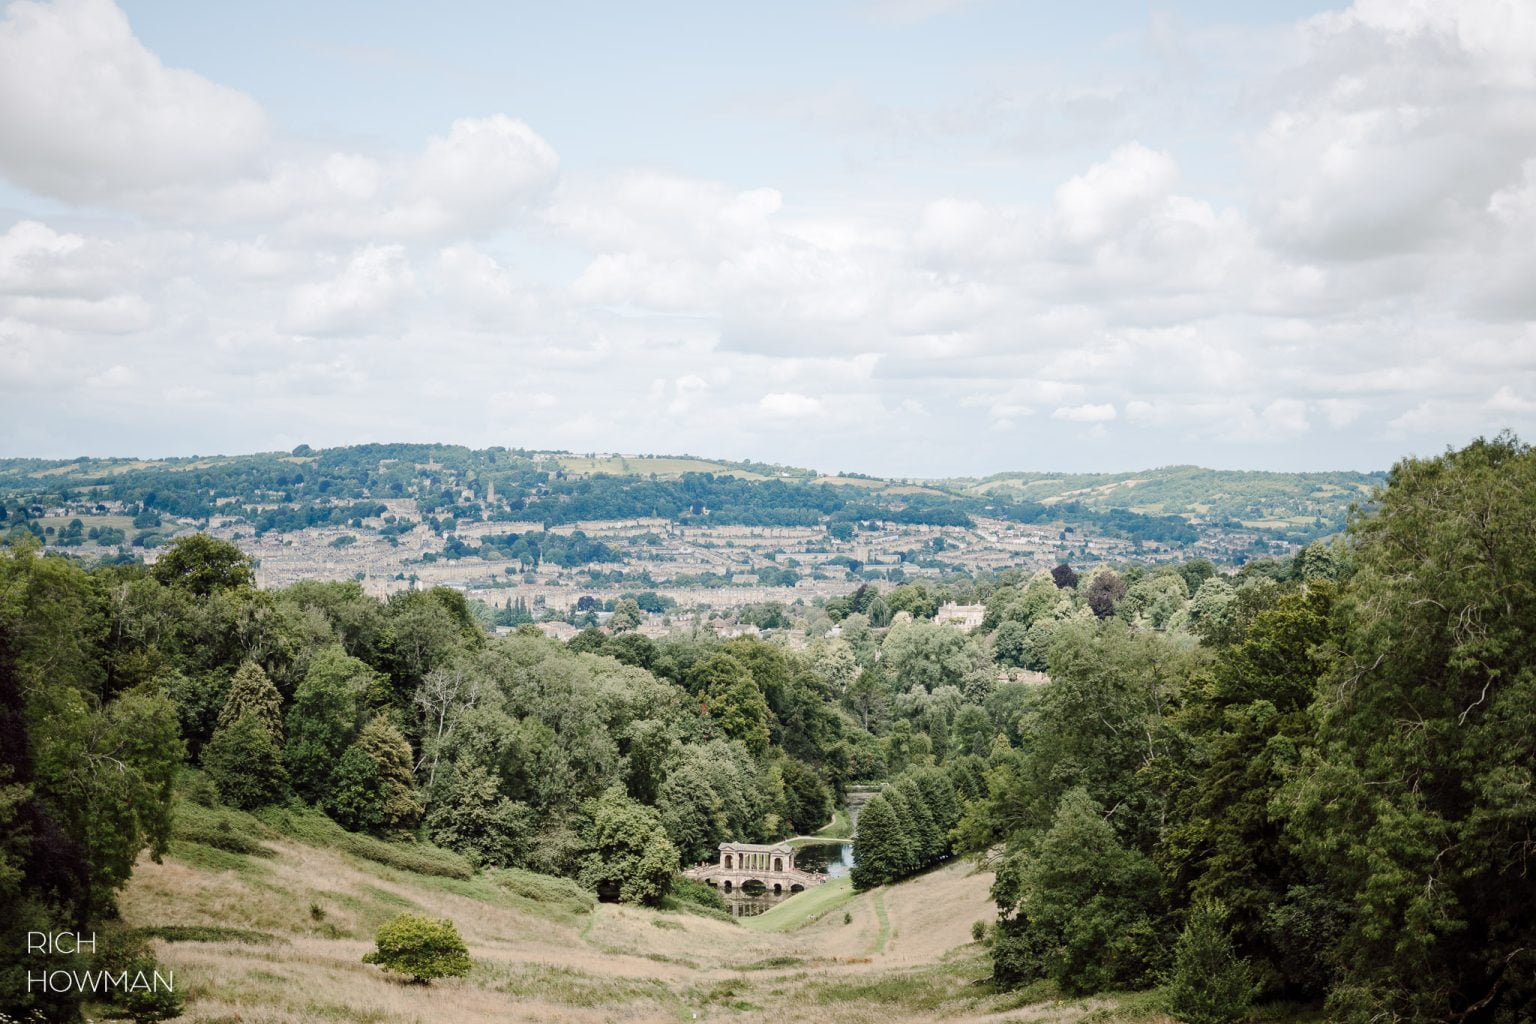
(422, 948)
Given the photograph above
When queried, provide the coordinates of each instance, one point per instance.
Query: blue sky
(912, 237)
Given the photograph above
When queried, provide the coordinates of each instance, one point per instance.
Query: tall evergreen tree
(880, 846)
(252, 693)
(245, 764)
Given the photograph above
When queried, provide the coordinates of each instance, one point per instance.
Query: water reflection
(832, 859)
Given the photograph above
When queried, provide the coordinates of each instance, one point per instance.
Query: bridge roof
(756, 848)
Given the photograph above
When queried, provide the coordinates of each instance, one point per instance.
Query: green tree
(929, 655)
(807, 801)
(245, 764)
(1226, 841)
(1214, 607)
(1009, 644)
(928, 839)
(252, 694)
(324, 719)
(1077, 908)
(1209, 983)
(1419, 804)
(375, 788)
(626, 616)
(421, 948)
(354, 797)
(738, 706)
(202, 565)
(628, 856)
(913, 598)
(881, 845)
(469, 814)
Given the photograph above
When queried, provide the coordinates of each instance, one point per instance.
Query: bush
(422, 948)
(695, 897)
(1210, 983)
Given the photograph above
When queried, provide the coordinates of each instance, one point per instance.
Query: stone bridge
(773, 867)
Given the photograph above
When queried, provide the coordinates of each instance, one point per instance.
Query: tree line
(1318, 776)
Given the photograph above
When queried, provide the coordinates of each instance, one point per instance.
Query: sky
(903, 237)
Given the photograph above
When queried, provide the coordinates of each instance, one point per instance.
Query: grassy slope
(265, 921)
(1285, 498)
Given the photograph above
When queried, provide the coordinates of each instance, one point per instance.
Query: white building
(967, 616)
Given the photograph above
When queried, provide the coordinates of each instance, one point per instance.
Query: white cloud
(35, 258)
(1407, 117)
(1506, 400)
(115, 314)
(789, 405)
(1101, 200)
(355, 301)
(1101, 413)
(473, 178)
(88, 114)
(1361, 271)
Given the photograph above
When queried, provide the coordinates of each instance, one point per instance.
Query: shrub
(696, 897)
(1210, 983)
(220, 828)
(547, 889)
(421, 948)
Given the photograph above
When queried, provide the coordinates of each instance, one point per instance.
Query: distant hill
(285, 491)
(1254, 499)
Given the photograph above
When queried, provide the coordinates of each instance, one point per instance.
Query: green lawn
(840, 827)
(802, 908)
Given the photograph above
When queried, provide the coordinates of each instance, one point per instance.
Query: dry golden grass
(612, 965)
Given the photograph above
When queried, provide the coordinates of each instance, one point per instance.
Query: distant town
(403, 517)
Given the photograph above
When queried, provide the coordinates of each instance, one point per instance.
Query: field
(275, 935)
